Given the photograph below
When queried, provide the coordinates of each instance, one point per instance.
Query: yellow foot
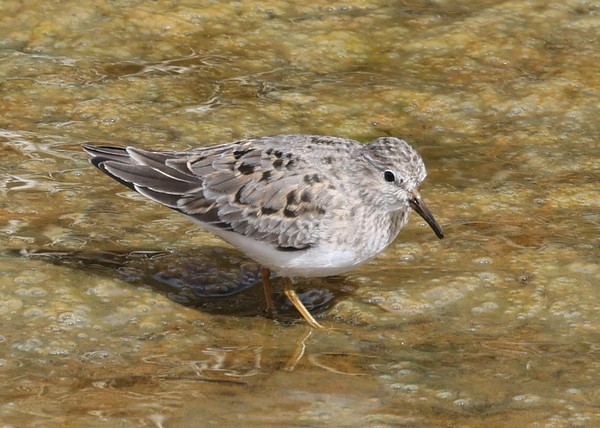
(293, 297)
(266, 280)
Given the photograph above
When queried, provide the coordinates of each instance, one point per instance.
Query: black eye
(389, 176)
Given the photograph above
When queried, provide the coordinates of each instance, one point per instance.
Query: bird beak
(417, 204)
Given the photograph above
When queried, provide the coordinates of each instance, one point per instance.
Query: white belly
(321, 260)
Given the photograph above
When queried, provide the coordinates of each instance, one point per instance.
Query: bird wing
(264, 189)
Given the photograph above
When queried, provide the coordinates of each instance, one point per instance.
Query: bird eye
(389, 176)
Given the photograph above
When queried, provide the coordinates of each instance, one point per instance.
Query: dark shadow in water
(214, 280)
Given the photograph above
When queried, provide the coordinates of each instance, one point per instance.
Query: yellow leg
(291, 294)
(266, 280)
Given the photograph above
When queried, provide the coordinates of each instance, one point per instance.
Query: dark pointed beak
(419, 206)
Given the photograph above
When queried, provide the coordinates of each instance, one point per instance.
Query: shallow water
(103, 296)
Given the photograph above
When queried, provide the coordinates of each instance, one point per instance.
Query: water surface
(103, 296)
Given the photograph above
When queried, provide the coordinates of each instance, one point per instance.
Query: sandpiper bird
(299, 205)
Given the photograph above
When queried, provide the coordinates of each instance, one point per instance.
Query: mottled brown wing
(264, 189)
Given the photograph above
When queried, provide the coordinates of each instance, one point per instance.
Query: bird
(299, 205)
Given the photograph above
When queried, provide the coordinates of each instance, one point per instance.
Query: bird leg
(265, 274)
(293, 297)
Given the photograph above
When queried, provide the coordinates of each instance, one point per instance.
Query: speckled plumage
(301, 205)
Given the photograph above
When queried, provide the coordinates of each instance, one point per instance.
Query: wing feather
(264, 189)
